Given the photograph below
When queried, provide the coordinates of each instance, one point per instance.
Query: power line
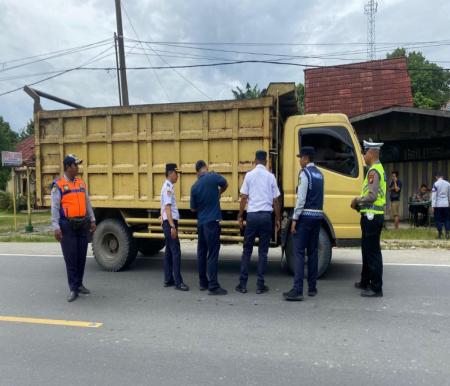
(50, 53)
(294, 44)
(92, 60)
(350, 66)
(174, 69)
(58, 55)
(148, 59)
(328, 55)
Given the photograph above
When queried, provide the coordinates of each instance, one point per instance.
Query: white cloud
(30, 27)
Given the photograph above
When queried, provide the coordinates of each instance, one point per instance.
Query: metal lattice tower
(370, 9)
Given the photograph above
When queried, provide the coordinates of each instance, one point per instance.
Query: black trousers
(208, 248)
(372, 269)
(172, 256)
(259, 224)
(74, 246)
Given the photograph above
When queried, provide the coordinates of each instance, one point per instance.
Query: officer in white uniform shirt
(170, 217)
(261, 192)
(440, 202)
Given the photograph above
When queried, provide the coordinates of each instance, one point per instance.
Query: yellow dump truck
(125, 149)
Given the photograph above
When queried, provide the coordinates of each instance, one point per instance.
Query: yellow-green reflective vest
(378, 205)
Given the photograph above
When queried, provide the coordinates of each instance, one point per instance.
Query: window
(334, 148)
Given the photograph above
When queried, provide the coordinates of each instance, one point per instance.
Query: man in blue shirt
(205, 200)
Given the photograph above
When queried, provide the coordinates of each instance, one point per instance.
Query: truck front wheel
(324, 254)
(113, 245)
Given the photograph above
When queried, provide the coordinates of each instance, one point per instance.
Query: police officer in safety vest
(371, 205)
(72, 220)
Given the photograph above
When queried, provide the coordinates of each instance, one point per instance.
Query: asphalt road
(157, 336)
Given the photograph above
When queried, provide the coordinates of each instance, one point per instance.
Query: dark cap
(261, 155)
(200, 164)
(307, 150)
(439, 174)
(70, 159)
(172, 168)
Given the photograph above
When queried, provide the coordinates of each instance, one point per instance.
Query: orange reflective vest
(73, 197)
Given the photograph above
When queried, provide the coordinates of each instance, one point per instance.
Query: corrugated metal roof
(26, 146)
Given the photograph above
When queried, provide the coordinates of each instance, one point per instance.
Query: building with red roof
(358, 88)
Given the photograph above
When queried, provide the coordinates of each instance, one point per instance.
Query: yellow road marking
(53, 322)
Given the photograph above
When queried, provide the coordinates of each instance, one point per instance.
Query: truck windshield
(334, 148)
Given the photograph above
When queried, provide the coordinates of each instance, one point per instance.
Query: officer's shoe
(182, 287)
(262, 290)
(370, 293)
(293, 296)
(169, 284)
(83, 290)
(218, 291)
(72, 296)
(240, 288)
(361, 286)
(312, 292)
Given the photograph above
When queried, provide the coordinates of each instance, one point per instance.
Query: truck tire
(150, 247)
(324, 254)
(113, 245)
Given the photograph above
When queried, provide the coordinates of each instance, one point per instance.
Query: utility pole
(370, 9)
(117, 69)
(123, 68)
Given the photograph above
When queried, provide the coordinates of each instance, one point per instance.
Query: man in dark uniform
(72, 219)
(260, 191)
(371, 205)
(306, 222)
(170, 217)
(205, 200)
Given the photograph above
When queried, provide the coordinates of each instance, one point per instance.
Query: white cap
(372, 145)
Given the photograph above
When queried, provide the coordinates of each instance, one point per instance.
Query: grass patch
(27, 238)
(409, 234)
(7, 220)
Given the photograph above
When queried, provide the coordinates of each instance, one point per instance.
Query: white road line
(395, 264)
(31, 255)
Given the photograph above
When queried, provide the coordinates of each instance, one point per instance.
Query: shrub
(5, 200)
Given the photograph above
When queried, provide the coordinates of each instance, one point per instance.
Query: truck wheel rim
(111, 243)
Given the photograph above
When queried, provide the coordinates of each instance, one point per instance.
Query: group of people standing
(421, 202)
(73, 219)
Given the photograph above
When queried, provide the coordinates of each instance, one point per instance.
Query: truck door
(339, 158)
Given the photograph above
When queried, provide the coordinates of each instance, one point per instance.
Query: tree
(300, 93)
(8, 139)
(430, 83)
(249, 92)
(27, 131)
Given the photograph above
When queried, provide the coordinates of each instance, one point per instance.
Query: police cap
(70, 159)
(172, 168)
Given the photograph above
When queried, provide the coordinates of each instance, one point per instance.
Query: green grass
(30, 238)
(7, 220)
(410, 234)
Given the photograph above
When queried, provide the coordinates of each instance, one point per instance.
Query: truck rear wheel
(150, 247)
(324, 254)
(113, 245)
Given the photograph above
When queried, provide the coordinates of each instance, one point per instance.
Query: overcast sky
(30, 28)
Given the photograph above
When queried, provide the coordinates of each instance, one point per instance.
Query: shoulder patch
(54, 188)
(371, 176)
